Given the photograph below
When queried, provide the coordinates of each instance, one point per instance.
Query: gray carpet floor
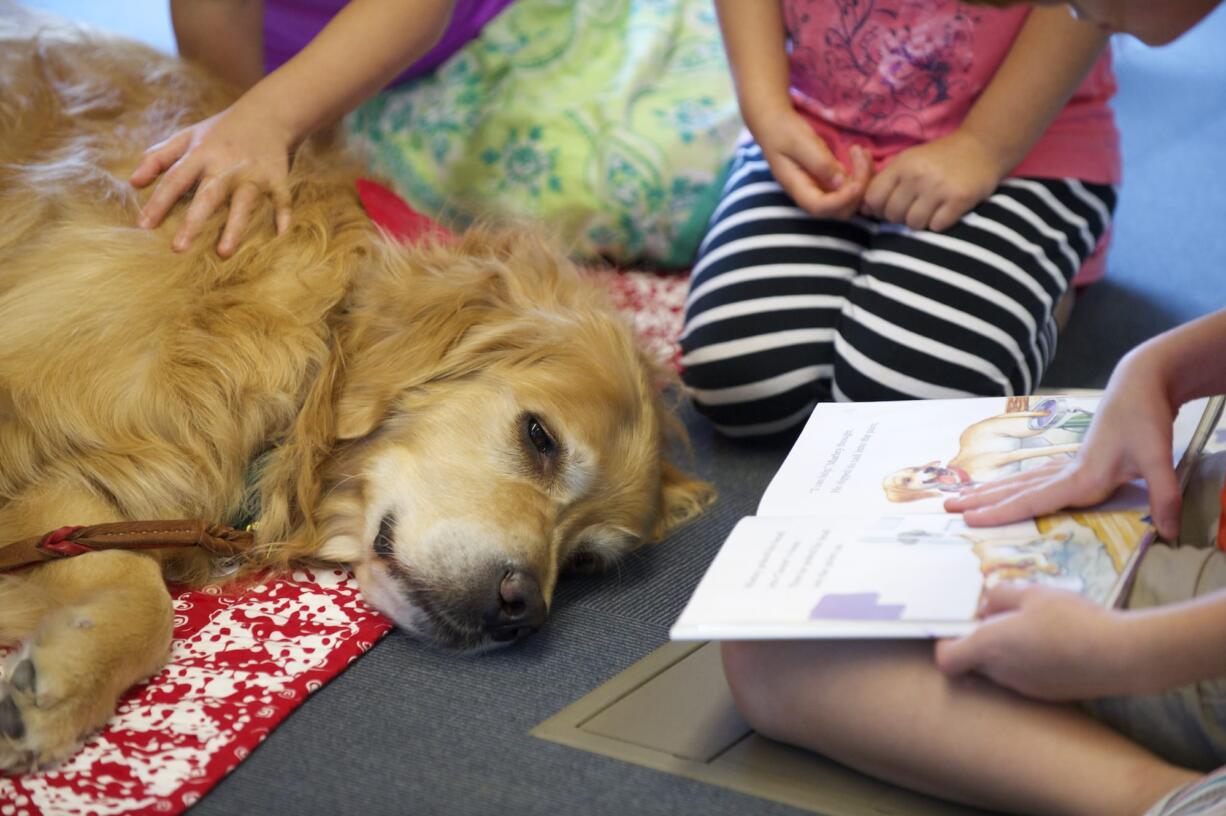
(409, 730)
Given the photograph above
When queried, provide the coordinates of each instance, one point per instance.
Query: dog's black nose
(518, 608)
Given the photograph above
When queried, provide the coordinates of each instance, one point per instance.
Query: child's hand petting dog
(932, 185)
(236, 156)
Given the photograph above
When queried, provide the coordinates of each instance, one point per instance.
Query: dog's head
(496, 424)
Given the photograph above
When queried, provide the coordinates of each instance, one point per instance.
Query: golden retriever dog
(457, 421)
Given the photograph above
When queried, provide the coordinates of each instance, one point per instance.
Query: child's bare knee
(745, 679)
(759, 684)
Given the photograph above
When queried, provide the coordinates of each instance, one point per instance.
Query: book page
(896, 575)
(908, 457)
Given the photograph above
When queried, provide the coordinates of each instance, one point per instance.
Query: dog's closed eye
(385, 543)
(585, 562)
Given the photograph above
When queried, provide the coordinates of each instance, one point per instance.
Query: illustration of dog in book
(996, 447)
(1080, 552)
(939, 569)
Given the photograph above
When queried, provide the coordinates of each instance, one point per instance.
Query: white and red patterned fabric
(242, 661)
(654, 302)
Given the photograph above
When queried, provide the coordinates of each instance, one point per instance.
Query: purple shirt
(290, 24)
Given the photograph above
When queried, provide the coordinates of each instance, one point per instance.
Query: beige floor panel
(672, 711)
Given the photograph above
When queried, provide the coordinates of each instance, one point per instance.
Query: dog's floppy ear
(682, 498)
(359, 411)
(421, 313)
(895, 494)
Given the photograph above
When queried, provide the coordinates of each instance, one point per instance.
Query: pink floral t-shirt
(890, 74)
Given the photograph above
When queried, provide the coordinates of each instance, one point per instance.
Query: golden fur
(438, 417)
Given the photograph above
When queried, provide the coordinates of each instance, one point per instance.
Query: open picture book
(851, 539)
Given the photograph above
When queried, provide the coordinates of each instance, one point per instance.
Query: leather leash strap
(127, 535)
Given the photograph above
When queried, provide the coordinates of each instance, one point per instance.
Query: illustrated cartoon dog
(990, 449)
(1016, 559)
(457, 422)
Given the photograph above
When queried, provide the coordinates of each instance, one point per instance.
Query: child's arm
(243, 152)
(225, 36)
(932, 185)
(1129, 437)
(755, 40)
(1056, 645)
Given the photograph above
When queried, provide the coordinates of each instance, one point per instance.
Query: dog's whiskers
(345, 478)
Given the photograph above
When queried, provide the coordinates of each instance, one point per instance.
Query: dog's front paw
(15, 754)
(46, 709)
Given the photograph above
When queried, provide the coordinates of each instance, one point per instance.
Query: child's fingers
(991, 492)
(945, 217)
(150, 167)
(806, 191)
(177, 181)
(1004, 597)
(181, 136)
(242, 204)
(798, 184)
(842, 203)
(281, 202)
(159, 158)
(955, 656)
(1047, 497)
(919, 214)
(900, 201)
(1165, 499)
(861, 166)
(816, 159)
(878, 192)
(210, 195)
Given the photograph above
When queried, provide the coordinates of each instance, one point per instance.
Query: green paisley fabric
(611, 121)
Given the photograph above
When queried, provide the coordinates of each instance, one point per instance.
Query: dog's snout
(518, 607)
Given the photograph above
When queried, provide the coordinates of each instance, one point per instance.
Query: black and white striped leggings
(786, 310)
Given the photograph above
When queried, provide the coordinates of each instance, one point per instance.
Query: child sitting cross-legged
(925, 182)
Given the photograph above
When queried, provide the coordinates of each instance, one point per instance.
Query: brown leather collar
(127, 535)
